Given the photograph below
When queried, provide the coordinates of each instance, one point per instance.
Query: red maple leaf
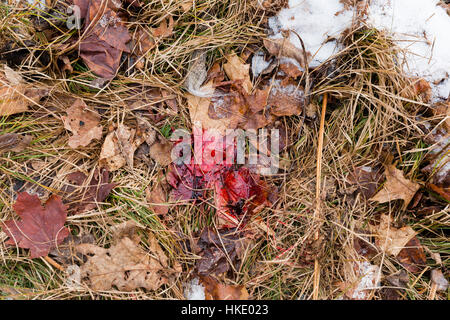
(41, 228)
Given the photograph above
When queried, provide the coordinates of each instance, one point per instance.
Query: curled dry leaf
(218, 250)
(390, 239)
(396, 187)
(83, 123)
(65, 252)
(237, 70)
(14, 142)
(157, 199)
(92, 193)
(41, 228)
(165, 29)
(284, 48)
(439, 280)
(363, 180)
(16, 95)
(119, 147)
(214, 290)
(106, 36)
(125, 265)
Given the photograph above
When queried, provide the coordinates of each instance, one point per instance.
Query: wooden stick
(317, 211)
(54, 263)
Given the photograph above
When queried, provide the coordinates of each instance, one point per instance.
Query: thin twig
(317, 211)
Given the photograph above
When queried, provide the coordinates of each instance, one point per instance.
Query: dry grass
(369, 116)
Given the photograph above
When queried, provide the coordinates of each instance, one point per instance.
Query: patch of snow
(421, 27)
(259, 64)
(369, 279)
(315, 21)
(194, 290)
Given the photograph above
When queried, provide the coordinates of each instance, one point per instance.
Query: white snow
(314, 21)
(194, 290)
(259, 64)
(369, 279)
(419, 26)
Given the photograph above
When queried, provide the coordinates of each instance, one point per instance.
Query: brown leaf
(106, 38)
(286, 98)
(93, 192)
(124, 265)
(120, 145)
(165, 29)
(390, 239)
(14, 142)
(290, 69)
(157, 200)
(215, 290)
(199, 111)
(40, 228)
(365, 179)
(412, 256)
(65, 252)
(396, 187)
(218, 250)
(284, 48)
(161, 152)
(237, 70)
(15, 95)
(83, 123)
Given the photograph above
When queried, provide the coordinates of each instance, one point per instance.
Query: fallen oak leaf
(83, 123)
(41, 228)
(390, 239)
(124, 265)
(396, 187)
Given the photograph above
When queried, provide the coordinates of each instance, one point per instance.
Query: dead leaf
(165, 29)
(92, 193)
(364, 180)
(412, 256)
(14, 142)
(390, 239)
(186, 5)
(157, 200)
(218, 250)
(124, 265)
(215, 290)
(237, 70)
(41, 228)
(161, 152)
(120, 145)
(83, 123)
(65, 252)
(15, 95)
(106, 38)
(438, 278)
(284, 48)
(286, 98)
(396, 187)
(291, 69)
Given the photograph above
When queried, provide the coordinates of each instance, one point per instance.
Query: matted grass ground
(369, 117)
